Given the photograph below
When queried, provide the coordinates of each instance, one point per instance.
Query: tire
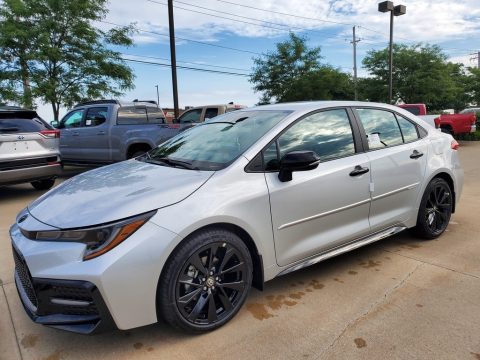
(435, 210)
(43, 184)
(198, 292)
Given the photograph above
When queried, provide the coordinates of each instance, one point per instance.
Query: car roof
(303, 106)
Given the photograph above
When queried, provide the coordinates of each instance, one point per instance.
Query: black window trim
(395, 115)
(356, 133)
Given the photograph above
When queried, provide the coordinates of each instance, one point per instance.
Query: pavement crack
(13, 324)
(432, 264)
(369, 310)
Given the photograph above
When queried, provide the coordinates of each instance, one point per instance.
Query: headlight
(99, 239)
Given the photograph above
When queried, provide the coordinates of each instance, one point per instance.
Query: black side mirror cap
(297, 161)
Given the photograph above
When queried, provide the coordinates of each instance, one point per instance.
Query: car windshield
(216, 143)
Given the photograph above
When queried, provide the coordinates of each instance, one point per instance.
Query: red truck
(453, 124)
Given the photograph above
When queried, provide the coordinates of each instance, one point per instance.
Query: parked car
(107, 131)
(199, 114)
(453, 124)
(182, 232)
(28, 149)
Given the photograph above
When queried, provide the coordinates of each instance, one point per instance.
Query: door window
(72, 120)
(191, 116)
(409, 130)
(132, 115)
(210, 113)
(327, 133)
(381, 128)
(96, 116)
(155, 115)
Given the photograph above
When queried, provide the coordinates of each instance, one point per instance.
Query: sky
(228, 34)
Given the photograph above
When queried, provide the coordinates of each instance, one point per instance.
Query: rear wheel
(206, 281)
(43, 184)
(435, 210)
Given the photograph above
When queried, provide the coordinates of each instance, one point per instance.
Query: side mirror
(297, 161)
(54, 123)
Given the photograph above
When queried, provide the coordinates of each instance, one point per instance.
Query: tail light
(437, 122)
(454, 145)
(53, 134)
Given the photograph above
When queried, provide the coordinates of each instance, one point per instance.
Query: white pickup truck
(199, 114)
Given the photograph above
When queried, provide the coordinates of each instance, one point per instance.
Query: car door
(70, 142)
(94, 135)
(397, 156)
(326, 207)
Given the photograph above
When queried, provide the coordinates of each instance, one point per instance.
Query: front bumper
(70, 305)
(125, 278)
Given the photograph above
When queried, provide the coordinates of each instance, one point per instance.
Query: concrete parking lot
(400, 298)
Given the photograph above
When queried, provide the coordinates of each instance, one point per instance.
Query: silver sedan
(183, 232)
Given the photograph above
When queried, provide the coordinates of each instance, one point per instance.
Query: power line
(187, 62)
(289, 27)
(186, 67)
(185, 39)
(285, 14)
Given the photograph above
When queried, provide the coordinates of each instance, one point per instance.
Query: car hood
(115, 192)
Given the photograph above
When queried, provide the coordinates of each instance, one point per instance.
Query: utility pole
(354, 43)
(173, 57)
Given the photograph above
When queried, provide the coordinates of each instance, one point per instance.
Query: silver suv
(29, 149)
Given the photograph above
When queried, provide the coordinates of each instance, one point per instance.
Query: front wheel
(206, 281)
(435, 210)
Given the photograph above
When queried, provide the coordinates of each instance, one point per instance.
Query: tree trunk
(56, 110)
(27, 99)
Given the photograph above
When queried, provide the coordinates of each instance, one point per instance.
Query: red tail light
(454, 145)
(437, 122)
(54, 134)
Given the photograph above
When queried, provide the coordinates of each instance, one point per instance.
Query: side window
(381, 128)
(211, 113)
(132, 115)
(155, 115)
(96, 116)
(409, 130)
(327, 133)
(72, 120)
(191, 116)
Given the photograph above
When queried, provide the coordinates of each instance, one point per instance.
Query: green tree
(473, 85)
(50, 50)
(274, 72)
(421, 74)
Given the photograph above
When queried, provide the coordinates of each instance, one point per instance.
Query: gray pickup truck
(106, 131)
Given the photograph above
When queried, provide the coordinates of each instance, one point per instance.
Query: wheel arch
(137, 146)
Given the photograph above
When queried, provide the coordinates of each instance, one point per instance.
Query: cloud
(425, 21)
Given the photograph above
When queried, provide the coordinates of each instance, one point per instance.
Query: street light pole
(158, 96)
(387, 6)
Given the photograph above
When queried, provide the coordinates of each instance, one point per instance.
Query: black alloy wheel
(211, 285)
(435, 209)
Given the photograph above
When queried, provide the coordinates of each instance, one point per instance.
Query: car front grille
(24, 276)
(27, 163)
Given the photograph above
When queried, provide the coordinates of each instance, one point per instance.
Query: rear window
(412, 109)
(22, 122)
(130, 115)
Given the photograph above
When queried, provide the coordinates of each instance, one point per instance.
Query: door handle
(101, 133)
(416, 154)
(359, 171)
(75, 134)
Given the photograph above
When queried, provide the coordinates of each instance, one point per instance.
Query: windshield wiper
(172, 162)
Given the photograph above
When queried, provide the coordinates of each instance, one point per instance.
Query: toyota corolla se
(182, 232)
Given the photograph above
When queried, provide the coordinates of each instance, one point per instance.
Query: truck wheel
(447, 130)
(205, 282)
(43, 184)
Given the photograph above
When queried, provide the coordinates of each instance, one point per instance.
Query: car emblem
(20, 137)
(22, 219)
